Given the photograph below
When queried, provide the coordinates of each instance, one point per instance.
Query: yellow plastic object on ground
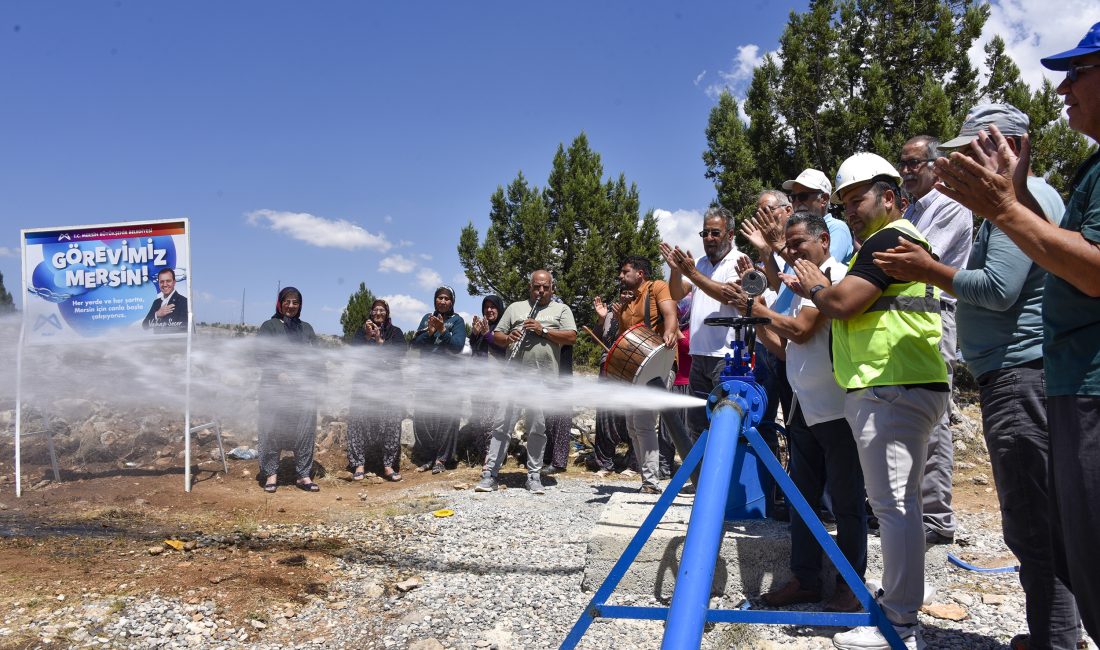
(444, 513)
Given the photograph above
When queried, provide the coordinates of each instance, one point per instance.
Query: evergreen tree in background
(866, 75)
(7, 305)
(357, 312)
(579, 227)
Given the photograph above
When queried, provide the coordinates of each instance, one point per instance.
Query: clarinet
(523, 337)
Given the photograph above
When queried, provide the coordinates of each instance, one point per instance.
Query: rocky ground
(120, 556)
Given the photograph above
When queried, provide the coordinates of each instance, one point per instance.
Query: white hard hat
(860, 168)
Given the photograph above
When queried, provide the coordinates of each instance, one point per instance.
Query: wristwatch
(542, 331)
(815, 289)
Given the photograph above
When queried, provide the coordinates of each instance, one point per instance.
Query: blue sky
(327, 144)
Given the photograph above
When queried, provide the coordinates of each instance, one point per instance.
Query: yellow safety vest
(896, 340)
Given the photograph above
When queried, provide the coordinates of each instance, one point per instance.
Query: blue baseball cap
(1089, 44)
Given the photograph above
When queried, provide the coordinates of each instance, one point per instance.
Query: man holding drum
(654, 307)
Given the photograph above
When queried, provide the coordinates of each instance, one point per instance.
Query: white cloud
(204, 296)
(332, 310)
(1033, 29)
(428, 278)
(681, 228)
(8, 252)
(318, 231)
(387, 219)
(425, 256)
(736, 79)
(396, 263)
(699, 77)
(405, 310)
(404, 243)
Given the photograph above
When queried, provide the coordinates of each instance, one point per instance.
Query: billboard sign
(116, 280)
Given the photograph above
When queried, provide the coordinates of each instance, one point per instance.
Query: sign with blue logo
(119, 280)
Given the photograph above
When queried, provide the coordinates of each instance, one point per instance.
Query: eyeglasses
(713, 232)
(801, 197)
(912, 163)
(1073, 71)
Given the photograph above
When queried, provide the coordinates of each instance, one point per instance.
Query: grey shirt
(1000, 294)
(948, 227)
(537, 351)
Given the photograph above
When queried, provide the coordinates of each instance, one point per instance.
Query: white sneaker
(869, 638)
(628, 473)
(929, 593)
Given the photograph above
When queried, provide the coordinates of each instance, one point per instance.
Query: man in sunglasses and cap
(993, 183)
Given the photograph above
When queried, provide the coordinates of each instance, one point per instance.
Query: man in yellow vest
(885, 346)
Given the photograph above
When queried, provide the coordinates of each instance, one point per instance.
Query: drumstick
(598, 339)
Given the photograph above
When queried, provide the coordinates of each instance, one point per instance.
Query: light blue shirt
(999, 318)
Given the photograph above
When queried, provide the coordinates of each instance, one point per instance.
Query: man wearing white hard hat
(885, 348)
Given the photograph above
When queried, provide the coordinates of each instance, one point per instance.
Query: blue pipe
(970, 567)
(687, 614)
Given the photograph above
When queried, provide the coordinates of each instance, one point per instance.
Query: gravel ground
(504, 571)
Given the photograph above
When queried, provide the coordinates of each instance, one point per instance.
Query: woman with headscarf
(375, 419)
(287, 398)
(482, 347)
(441, 336)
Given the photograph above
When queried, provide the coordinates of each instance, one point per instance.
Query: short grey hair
(780, 197)
(931, 145)
(815, 225)
(718, 212)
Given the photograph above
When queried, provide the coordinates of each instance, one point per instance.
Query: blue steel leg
(599, 599)
(691, 598)
(795, 498)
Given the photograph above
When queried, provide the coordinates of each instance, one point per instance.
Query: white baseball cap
(812, 179)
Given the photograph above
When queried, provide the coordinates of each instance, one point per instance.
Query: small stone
(375, 480)
(980, 479)
(946, 611)
(259, 625)
(409, 584)
(190, 546)
(155, 550)
(339, 498)
(61, 597)
(216, 579)
(426, 644)
(461, 486)
(362, 496)
(994, 599)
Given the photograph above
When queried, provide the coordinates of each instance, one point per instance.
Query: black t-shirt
(879, 242)
(866, 268)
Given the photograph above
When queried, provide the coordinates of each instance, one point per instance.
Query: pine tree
(578, 227)
(855, 75)
(7, 305)
(357, 312)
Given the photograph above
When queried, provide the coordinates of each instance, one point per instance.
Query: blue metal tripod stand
(734, 408)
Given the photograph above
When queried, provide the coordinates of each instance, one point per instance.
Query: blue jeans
(824, 457)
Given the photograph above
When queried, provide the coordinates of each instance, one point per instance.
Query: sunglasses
(1073, 71)
(713, 232)
(799, 197)
(912, 163)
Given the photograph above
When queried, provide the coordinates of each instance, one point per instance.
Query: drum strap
(645, 311)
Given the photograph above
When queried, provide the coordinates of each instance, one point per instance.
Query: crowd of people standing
(868, 316)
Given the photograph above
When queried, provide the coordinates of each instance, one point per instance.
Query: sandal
(308, 487)
(270, 487)
(438, 468)
(393, 477)
(425, 467)
(358, 476)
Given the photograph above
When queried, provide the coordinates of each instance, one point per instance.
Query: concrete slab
(755, 554)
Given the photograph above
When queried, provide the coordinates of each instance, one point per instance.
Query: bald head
(542, 287)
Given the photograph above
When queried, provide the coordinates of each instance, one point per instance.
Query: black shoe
(931, 537)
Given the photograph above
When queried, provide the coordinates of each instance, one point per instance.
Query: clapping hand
(435, 324)
(809, 276)
(600, 307)
(678, 259)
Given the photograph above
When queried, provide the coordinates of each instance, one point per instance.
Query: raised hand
(601, 309)
(987, 183)
(755, 236)
(743, 265)
(435, 324)
(809, 276)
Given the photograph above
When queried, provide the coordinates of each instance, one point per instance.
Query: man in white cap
(811, 192)
(885, 337)
(948, 227)
(1071, 309)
